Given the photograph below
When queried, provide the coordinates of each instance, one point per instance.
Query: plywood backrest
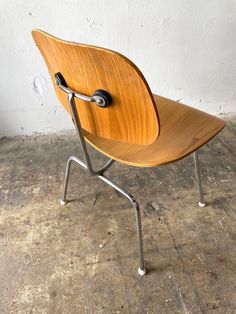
(131, 117)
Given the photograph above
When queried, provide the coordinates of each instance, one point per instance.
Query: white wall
(185, 48)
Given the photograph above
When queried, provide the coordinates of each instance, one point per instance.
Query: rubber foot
(142, 272)
(200, 204)
(63, 202)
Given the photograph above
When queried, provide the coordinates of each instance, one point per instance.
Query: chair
(113, 110)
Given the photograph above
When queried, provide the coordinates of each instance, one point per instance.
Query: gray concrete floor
(82, 258)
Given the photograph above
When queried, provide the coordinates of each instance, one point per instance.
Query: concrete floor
(82, 258)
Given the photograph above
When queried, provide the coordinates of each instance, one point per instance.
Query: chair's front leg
(201, 202)
(67, 174)
(141, 269)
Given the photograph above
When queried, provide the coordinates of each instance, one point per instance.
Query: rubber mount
(142, 272)
(106, 97)
(201, 204)
(60, 79)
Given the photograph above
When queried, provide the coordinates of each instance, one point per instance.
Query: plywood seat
(183, 130)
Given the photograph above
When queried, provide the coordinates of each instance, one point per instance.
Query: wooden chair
(114, 110)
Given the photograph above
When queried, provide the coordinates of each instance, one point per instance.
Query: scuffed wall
(185, 48)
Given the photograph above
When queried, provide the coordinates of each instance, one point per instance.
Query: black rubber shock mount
(106, 97)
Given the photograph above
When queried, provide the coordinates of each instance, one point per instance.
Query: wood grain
(128, 130)
(131, 118)
(182, 131)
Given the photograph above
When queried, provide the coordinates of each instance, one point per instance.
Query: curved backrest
(131, 117)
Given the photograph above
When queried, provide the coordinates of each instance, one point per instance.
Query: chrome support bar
(67, 90)
(201, 202)
(106, 166)
(79, 132)
(141, 270)
(67, 174)
(101, 97)
(82, 164)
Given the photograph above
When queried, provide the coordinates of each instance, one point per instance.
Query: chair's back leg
(67, 174)
(201, 202)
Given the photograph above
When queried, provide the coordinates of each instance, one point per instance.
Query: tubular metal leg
(67, 174)
(201, 202)
(81, 163)
(141, 269)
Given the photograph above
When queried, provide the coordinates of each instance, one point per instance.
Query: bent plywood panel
(131, 118)
(182, 131)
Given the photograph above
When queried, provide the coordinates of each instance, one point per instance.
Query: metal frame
(86, 164)
(100, 174)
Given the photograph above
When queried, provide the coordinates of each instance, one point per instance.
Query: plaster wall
(186, 50)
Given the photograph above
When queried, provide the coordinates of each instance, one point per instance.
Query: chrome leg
(81, 163)
(141, 269)
(67, 174)
(201, 202)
